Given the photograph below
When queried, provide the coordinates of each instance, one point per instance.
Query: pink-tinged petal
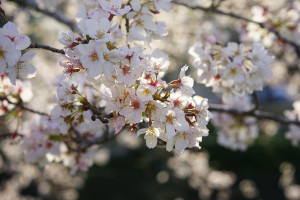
(2, 65)
(81, 14)
(105, 24)
(141, 131)
(94, 70)
(84, 49)
(27, 56)
(151, 141)
(104, 4)
(26, 70)
(181, 144)
(64, 128)
(105, 38)
(170, 131)
(126, 111)
(136, 5)
(11, 28)
(12, 58)
(119, 124)
(136, 117)
(170, 144)
(125, 10)
(83, 25)
(12, 75)
(92, 26)
(56, 112)
(6, 44)
(148, 22)
(22, 42)
(116, 3)
(130, 15)
(108, 68)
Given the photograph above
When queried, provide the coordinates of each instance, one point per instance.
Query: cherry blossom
(9, 55)
(23, 68)
(232, 70)
(151, 135)
(10, 31)
(114, 7)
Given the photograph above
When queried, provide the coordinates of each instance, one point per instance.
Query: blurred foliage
(134, 176)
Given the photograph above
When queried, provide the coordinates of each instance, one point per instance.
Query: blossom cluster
(42, 143)
(236, 132)
(14, 62)
(128, 80)
(171, 113)
(286, 21)
(232, 70)
(113, 80)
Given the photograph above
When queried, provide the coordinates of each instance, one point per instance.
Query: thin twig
(20, 105)
(9, 135)
(262, 25)
(98, 114)
(42, 46)
(253, 113)
(59, 17)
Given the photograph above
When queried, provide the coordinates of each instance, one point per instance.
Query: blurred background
(125, 168)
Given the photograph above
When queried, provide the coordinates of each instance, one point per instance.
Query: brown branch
(59, 17)
(253, 113)
(20, 105)
(42, 46)
(97, 114)
(9, 135)
(262, 25)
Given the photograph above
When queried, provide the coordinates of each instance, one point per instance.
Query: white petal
(135, 4)
(12, 58)
(108, 68)
(26, 70)
(12, 75)
(27, 56)
(116, 3)
(2, 65)
(141, 131)
(94, 70)
(125, 10)
(181, 144)
(56, 112)
(22, 42)
(104, 4)
(151, 142)
(11, 27)
(170, 131)
(170, 144)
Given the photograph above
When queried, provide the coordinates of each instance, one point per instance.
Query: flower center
(135, 104)
(2, 52)
(233, 71)
(115, 7)
(146, 92)
(169, 119)
(68, 39)
(100, 33)
(94, 56)
(126, 69)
